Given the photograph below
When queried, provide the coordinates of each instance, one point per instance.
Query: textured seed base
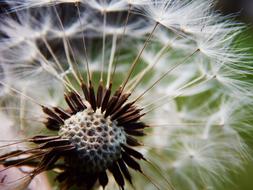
(97, 139)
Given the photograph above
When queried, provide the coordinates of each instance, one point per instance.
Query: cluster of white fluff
(198, 97)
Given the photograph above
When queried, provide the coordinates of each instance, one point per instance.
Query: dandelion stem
(165, 74)
(48, 68)
(138, 57)
(84, 44)
(54, 57)
(103, 46)
(182, 88)
(180, 94)
(66, 44)
(149, 179)
(158, 169)
(136, 80)
(114, 41)
(21, 111)
(121, 39)
(19, 92)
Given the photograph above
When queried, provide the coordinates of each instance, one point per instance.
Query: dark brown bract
(96, 134)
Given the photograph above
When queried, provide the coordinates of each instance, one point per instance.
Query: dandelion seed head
(100, 89)
(98, 139)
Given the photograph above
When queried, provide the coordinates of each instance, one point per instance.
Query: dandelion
(139, 94)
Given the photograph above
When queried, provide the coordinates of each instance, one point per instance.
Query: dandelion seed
(143, 94)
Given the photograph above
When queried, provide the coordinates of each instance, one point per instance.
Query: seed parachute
(122, 94)
(95, 135)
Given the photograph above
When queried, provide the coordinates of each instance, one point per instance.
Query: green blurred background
(243, 9)
(243, 12)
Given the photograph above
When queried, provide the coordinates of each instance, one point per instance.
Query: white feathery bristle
(26, 4)
(189, 74)
(108, 6)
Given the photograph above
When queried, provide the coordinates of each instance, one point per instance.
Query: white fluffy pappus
(178, 59)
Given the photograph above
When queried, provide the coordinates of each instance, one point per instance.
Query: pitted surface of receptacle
(97, 139)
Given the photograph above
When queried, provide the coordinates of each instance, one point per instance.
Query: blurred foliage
(242, 180)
